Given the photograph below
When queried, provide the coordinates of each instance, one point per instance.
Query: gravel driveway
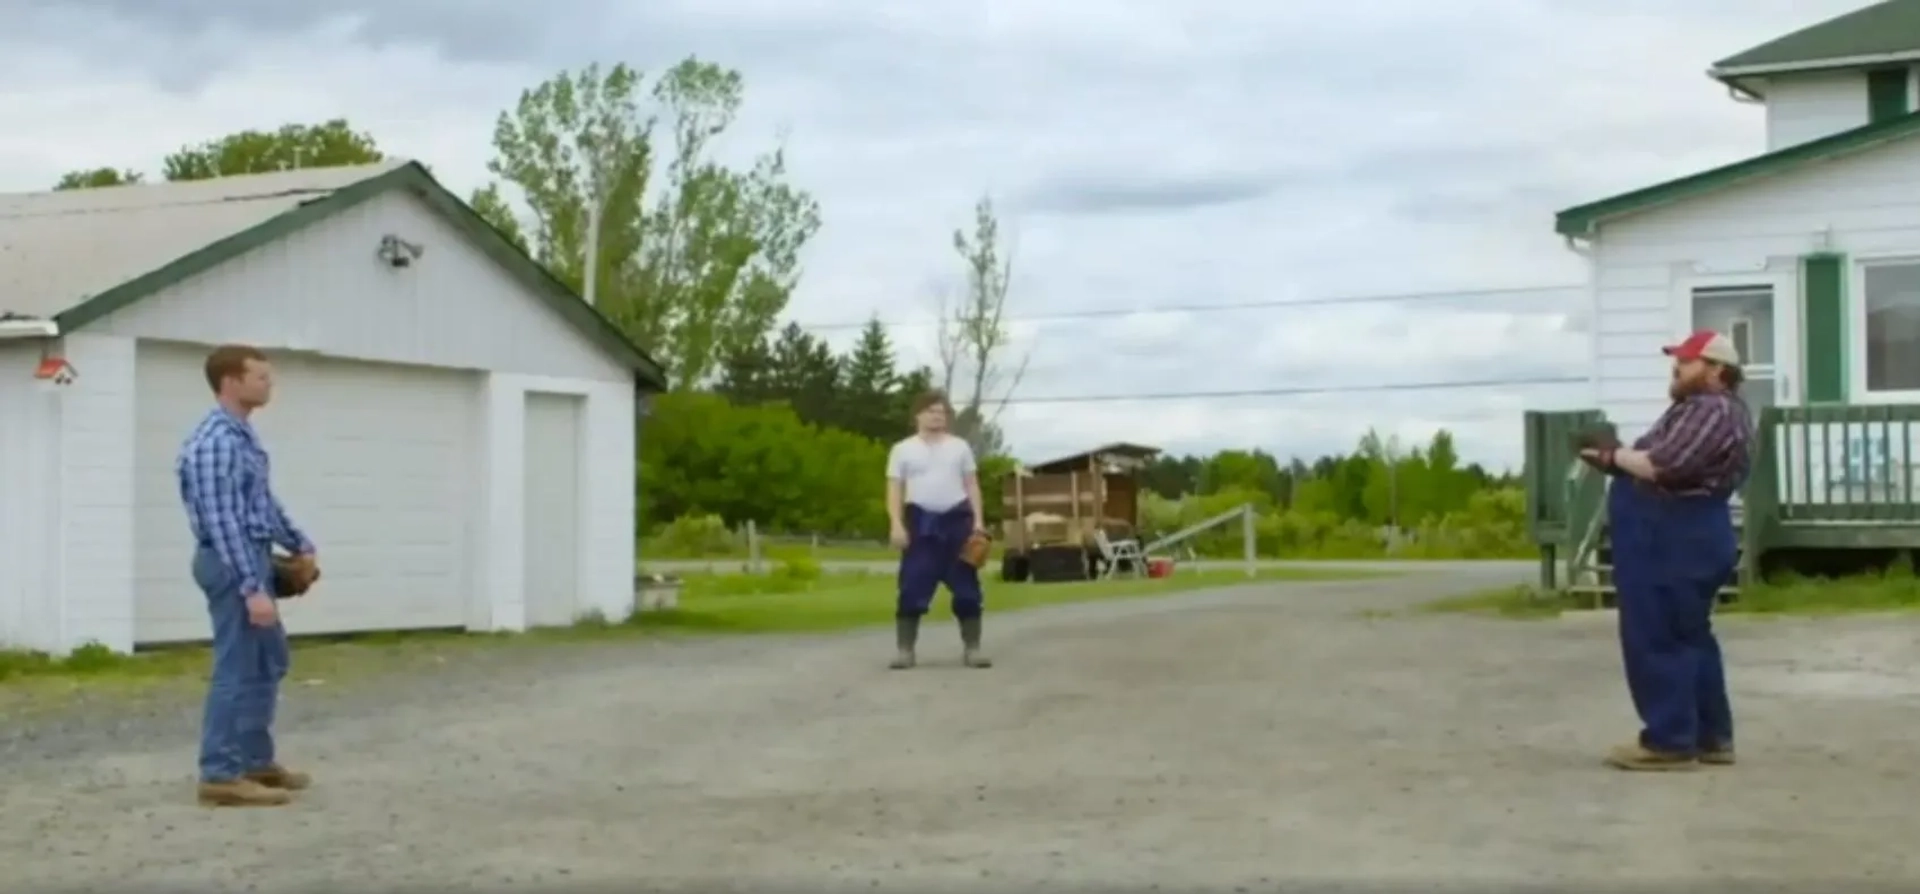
(1233, 739)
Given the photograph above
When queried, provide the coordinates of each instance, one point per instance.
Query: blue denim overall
(1671, 556)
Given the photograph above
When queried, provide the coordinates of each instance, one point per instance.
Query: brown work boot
(242, 792)
(276, 776)
(1717, 755)
(1634, 756)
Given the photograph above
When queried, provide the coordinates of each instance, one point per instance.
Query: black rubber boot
(970, 654)
(906, 634)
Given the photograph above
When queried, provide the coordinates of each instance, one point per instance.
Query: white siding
(66, 537)
(29, 491)
(96, 487)
(606, 494)
(1867, 203)
(554, 515)
(324, 290)
(1803, 107)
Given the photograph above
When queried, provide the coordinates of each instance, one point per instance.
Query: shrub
(1491, 525)
(695, 537)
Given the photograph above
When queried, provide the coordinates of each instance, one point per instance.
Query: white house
(1808, 253)
(451, 425)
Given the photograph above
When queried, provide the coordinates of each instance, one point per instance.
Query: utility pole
(1393, 492)
(594, 213)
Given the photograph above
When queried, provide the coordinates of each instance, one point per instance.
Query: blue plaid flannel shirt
(223, 472)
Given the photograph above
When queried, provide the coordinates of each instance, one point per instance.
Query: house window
(1890, 334)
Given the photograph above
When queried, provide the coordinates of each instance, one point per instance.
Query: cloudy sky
(1146, 153)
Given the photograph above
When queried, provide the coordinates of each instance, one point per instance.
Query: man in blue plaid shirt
(236, 520)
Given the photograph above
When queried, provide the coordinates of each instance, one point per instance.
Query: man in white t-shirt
(933, 503)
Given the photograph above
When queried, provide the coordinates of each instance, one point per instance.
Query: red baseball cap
(1707, 345)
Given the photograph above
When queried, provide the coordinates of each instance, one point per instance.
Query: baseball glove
(294, 575)
(1603, 437)
(975, 551)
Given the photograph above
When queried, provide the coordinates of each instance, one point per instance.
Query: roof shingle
(57, 249)
(1882, 29)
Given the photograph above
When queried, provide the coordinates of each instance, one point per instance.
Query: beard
(1682, 388)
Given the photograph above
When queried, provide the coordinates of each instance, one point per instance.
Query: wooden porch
(1830, 485)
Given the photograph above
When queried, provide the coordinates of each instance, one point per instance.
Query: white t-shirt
(933, 473)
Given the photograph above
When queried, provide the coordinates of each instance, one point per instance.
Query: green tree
(747, 374)
(98, 177)
(491, 204)
(806, 375)
(329, 144)
(701, 454)
(871, 385)
(696, 270)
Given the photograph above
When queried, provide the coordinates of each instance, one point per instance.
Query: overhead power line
(1295, 392)
(1223, 307)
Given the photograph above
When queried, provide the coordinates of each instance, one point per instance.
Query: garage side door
(375, 461)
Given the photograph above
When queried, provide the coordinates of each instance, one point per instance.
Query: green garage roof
(1583, 219)
(1891, 28)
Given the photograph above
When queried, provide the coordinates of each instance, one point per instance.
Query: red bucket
(1159, 567)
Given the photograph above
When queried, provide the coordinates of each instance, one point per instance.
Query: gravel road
(683, 566)
(1236, 739)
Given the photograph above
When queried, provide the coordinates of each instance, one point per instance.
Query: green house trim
(414, 179)
(1583, 220)
(1823, 303)
(1887, 90)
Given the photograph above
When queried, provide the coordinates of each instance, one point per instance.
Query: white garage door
(372, 460)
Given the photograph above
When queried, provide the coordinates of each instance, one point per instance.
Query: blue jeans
(236, 733)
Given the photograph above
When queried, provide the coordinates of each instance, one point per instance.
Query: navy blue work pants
(932, 558)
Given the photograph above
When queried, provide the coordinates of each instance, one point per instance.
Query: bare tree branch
(973, 336)
(949, 338)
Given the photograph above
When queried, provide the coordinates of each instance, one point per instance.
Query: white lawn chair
(1117, 552)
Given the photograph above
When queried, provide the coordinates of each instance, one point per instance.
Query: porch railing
(1838, 464)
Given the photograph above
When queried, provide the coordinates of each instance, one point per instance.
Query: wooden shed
(1060, 505)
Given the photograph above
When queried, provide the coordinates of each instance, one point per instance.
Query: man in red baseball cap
(1671, 522)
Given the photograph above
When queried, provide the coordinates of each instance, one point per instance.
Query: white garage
(442, 407)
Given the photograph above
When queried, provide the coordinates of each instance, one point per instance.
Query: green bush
(1490, 526)
(695, 537)
(795, 565)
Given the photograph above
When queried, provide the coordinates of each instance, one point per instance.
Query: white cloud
(1147, 154)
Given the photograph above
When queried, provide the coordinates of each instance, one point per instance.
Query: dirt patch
(1244, 737)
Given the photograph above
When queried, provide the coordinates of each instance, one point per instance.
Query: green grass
(710, 604)
(841, 552)
(775, 604)
(882, 553)
(1895, 590)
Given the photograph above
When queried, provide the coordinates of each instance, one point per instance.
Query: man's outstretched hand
(1597, 444)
